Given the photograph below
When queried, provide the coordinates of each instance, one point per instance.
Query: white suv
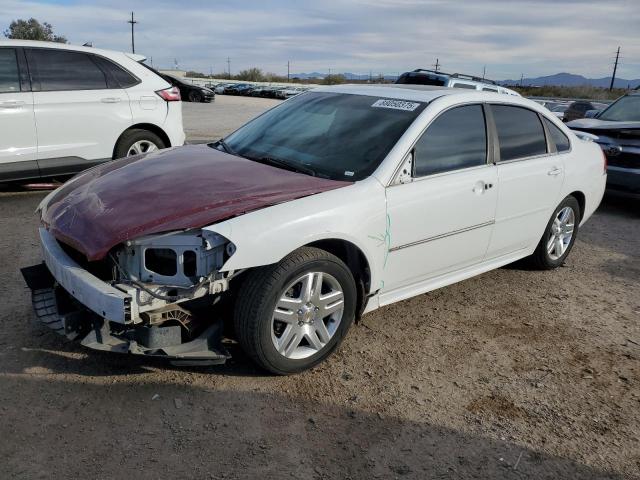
(65, 108)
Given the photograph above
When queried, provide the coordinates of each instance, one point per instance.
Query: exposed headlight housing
(181, 259)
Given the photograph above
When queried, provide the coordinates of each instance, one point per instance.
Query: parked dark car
(578, 110)
(617, 130)
(190, 92)
(239, 89)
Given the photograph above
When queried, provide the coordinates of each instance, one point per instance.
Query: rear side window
(558, 137)
(464, 85)
(9, 78)
(520, 132)
(117, 77)
(456, 139)
(65, 70)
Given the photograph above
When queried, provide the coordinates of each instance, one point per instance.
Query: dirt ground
(513, 374)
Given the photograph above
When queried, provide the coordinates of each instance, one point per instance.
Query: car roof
(67, 46)
(424, 93)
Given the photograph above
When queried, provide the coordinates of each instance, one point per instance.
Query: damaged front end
(151, 296)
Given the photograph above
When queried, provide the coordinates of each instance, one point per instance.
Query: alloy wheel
(141, 146)
(561, 233)
(307, 315)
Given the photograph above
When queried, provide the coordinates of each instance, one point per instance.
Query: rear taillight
(171, 94)
(604, 161)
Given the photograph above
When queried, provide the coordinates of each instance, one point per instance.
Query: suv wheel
(290, 316)
(137, 141)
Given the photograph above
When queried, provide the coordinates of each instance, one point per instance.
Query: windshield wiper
(225, 146)
(277, 162)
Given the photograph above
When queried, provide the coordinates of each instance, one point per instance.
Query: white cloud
(534, 37)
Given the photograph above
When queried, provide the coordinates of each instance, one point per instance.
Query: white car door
(530, 176)
(78, 116)
(442, 220)
(18, 143)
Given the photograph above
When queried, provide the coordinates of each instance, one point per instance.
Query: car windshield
(332, 135)
(560, 108)
(625, 109)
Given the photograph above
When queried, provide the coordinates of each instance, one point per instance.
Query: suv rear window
(117, 77)
(9, 78)
(520, 132)
(57, 70)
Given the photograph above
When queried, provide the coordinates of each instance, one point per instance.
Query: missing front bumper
(58, 310)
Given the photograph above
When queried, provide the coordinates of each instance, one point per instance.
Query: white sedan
(330, 205)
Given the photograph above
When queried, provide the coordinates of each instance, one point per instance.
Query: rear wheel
(559, 236)
(290, 316)
(137, 141)
(195, 96)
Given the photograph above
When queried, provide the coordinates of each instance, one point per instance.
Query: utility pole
(615, 67)
(437, 65)
(229, 67)
(133, 44)
(521, 78)
(484, 71)
(288, 71)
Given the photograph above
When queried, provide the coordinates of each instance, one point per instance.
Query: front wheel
(559, 236)
(290, 316)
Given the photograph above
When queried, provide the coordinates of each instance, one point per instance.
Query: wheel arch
(143, 126)
(582, 200)
(356, 261)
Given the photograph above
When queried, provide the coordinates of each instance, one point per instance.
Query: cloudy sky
(536, 37)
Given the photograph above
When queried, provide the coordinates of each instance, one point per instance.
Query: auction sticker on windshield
(396, 105)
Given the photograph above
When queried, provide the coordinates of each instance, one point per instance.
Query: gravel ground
(512, 374)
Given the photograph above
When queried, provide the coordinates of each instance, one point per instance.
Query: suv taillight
(171, 94)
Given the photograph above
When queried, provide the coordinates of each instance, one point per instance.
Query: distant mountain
(559, 79)
(572, 80)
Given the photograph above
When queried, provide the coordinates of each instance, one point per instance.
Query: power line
(133, 44)
(615, 67)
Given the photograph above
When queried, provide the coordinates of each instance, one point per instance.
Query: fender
(356, 214)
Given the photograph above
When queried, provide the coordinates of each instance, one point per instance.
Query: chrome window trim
(393, 182)
(443, 235)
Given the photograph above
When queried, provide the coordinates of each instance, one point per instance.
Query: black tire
(261, 290)
(195, 96)
(131, 137)
(541, 258)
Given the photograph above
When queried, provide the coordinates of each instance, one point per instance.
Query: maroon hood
(186, 187)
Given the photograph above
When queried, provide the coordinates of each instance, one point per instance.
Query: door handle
(554, 171)
(12, 104)
(110, 100)
(480, 186)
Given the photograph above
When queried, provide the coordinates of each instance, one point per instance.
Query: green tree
(251, 75)
(32, 29)
(334, 79)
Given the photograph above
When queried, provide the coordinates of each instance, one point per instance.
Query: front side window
(9, 78)
(520, 132)
(66, 70)
(456, 139)
(558, 137)
(332, 135)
